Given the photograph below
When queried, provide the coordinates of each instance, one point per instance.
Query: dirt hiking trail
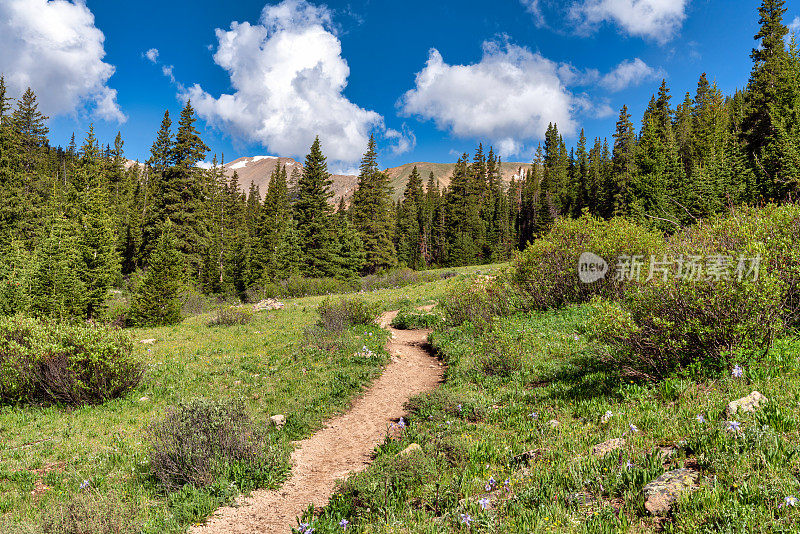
(343, 447)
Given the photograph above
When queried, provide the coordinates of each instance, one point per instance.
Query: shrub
(231, 316)
(297, 287)
(411, 319)
(395, 278)
(337, 316)
(59, 363)
(661, 328)
(498, 360)
(87, 513)
(703, 326)
(201, 442)
(773, 232)
(547, 271)
(480, 300)
(390, 481)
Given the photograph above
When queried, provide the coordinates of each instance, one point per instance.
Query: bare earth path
(343, 447)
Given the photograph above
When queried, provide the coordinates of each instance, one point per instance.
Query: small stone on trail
(414, 447)
(143, 399)
(661, 493)
(601, 449)
(746, 404)
(147, 341)
(278, 421)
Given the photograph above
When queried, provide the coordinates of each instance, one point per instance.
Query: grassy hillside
(91, 464)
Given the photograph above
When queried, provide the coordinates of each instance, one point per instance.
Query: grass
(492, 422)
(48, 453)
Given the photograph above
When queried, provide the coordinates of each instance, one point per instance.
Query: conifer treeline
(75, 222)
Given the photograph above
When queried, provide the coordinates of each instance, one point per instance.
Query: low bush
(547, 271)
(297, 287)
(347, 312)
(201, 442)
(480, 300)
(390, 481)
(60, 363)
(412, 319)
(89, 513)
(705, 326)
(231, 316)
(395, 278)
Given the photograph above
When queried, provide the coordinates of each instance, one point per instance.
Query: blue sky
(430, 79)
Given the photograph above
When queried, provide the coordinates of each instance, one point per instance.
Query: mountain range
(257, 169)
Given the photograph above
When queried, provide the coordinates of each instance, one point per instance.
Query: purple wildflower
(789, 500)
(466, 519)
(634, 429)
(343, 523)
(737, 372)
(701, 419)
(484, 503)
(85, 484)
(401, 423)
(734, 426)
(533, 415)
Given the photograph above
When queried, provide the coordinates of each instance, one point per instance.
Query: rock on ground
(601, 449)
(411, 449)
(749, 403)
(661, 493)
(278, 420)
(268, 304)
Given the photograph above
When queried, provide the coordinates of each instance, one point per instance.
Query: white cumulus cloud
(152, 55)
(659, 20)
(534, 8)
(629, 73)
(794, 28)
(508, 98)
(288, 76)
(55, 48)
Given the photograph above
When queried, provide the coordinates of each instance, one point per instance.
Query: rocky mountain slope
(257, 169)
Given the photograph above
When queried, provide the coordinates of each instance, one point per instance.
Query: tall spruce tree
(770, 96)
(410, 221)
(313, 215)
(155, 300)
(371, 212)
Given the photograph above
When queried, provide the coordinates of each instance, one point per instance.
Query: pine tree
(410, 223)
(155, 301)
(312, 212)
(29, 122)
(181, 193)
(57, 290)
(623, 163)
(371, 212)
(770, 95)
(98, 240)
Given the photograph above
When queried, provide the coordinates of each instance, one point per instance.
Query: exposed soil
(343, 447)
